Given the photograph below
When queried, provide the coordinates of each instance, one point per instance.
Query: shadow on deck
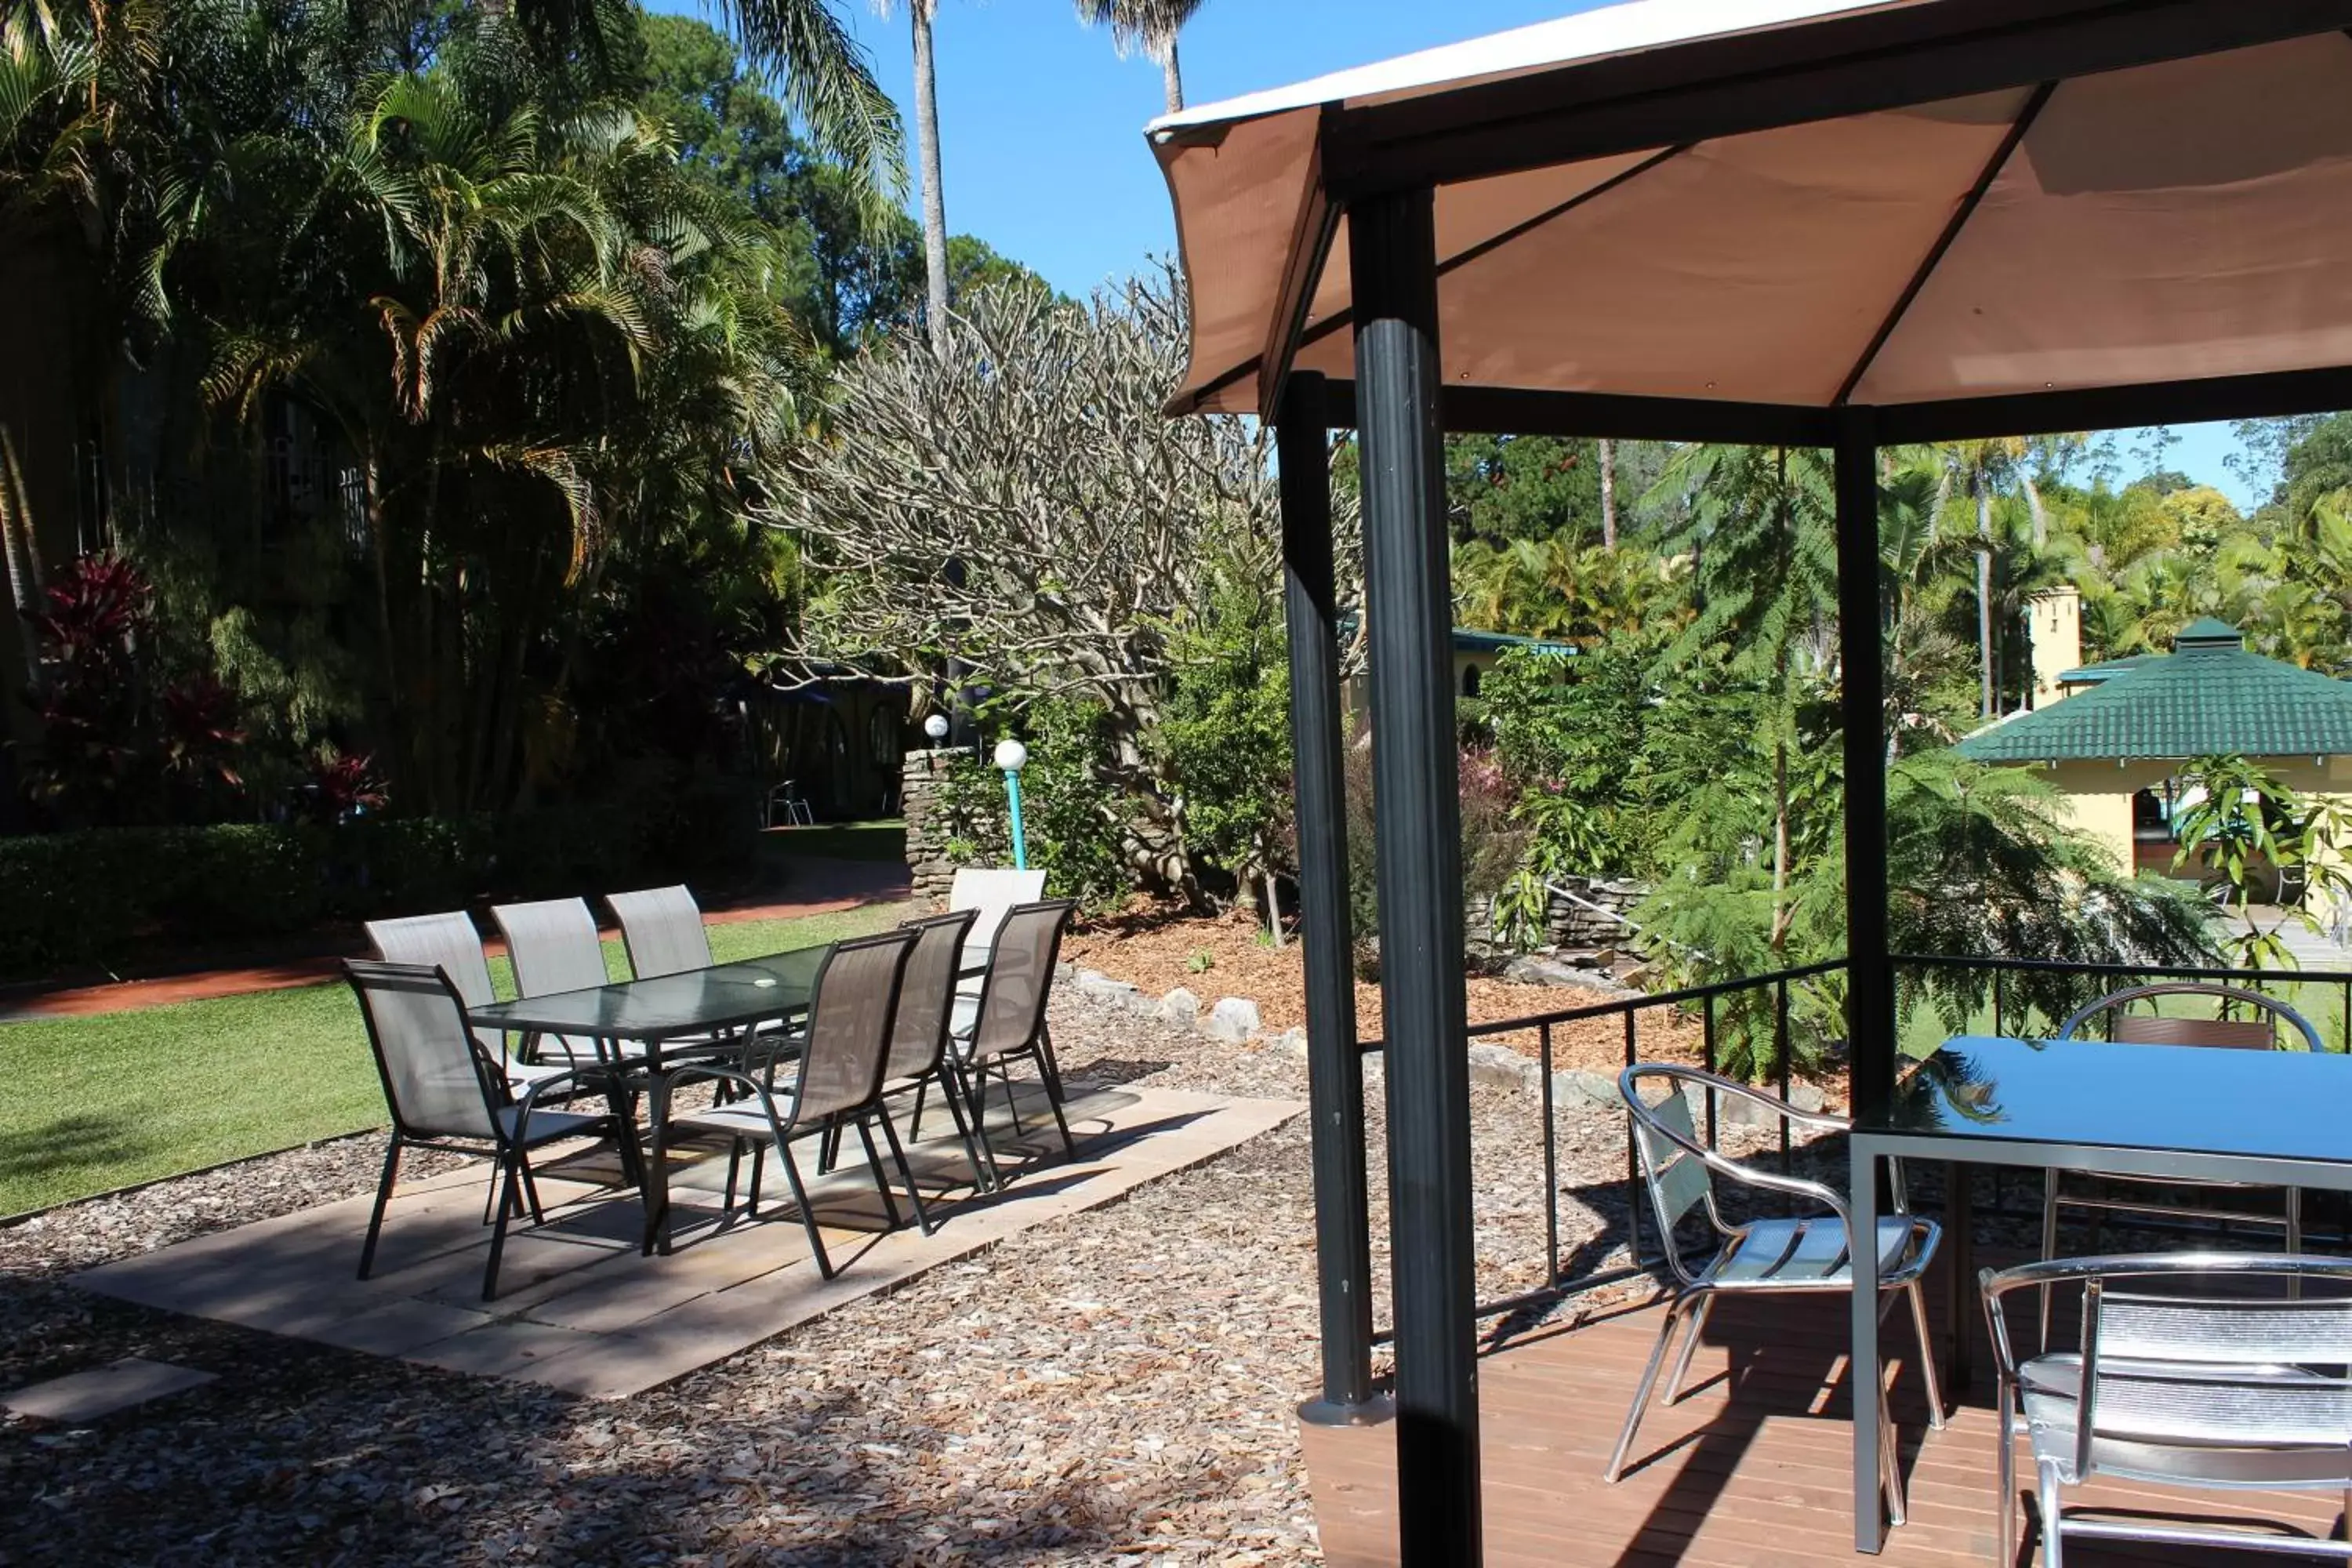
(1750, 1469)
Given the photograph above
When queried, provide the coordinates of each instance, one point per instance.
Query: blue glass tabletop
(2093, 1094)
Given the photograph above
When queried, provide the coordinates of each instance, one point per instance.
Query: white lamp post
(1012, 756)
(936, 727)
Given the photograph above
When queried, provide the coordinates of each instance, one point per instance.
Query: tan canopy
(2100, 208)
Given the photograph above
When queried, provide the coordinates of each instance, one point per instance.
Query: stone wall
(927, 834)
(1569, 923)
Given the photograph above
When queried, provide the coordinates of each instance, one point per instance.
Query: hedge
(102, 896)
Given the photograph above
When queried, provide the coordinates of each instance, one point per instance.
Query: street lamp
(1012, 756)
(936, 727)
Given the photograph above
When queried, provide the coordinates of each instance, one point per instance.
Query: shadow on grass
(80, 1142)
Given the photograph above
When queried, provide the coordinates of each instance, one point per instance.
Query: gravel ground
(1115, 1388)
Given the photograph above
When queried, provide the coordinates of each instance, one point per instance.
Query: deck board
(1750, 1468)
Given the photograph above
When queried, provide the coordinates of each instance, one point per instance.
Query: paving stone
(84, 1396)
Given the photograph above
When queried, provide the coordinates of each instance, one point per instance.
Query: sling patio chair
(2213, 1370)
(918, 1038)
(1006, 1022)
(555, 949)
(662, 930)
(2100, 1192)
(844, 1050)
(1786, 1256)
(990, 893)
(450, 942)
(446, 1090)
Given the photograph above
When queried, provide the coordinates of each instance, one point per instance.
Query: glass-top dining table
(2263, 1118)
(652, 1028)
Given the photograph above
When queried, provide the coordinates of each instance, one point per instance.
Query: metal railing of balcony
(2007, 1011)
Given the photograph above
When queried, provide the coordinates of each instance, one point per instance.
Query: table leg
(1960, 1241)
(1861, 1367)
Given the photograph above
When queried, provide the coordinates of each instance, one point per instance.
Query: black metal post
(1870, 977)
(1334, 1067)
(1416, 780)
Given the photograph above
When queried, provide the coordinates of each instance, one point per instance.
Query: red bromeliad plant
(342, 783)
(202, 732)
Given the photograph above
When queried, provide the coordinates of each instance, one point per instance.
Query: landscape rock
(1575, 1086)
(1807, 1097)
(1501, 1067)
(1566, 970)
(1179, 1006)
(1095, 987)
(1233, 1019)
(1290, 1043)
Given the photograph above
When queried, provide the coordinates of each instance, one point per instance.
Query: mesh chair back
(2208, 1352)
(554, 946)
(991, 894)
(2258, 1033)
(435, 1081)
(662, 928)
(449, 943)
(919, 1037)
(1020, 977)
(849, 1020)
(1676, 1178)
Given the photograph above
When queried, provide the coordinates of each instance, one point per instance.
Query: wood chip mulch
(1158, 950)
(1115, 1388)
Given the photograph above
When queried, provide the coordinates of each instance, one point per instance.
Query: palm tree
(1983, 467)
(919, 15)
(1150, 26)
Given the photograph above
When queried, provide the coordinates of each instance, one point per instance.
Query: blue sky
(1042, 123)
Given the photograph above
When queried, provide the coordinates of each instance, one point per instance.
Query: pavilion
(1777, 222)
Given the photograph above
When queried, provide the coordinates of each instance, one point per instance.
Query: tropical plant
(2251, 831)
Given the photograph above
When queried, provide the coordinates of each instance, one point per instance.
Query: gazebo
(1778, 222)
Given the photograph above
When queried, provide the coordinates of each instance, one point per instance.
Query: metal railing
(2006, 1012)
(1706, 1001)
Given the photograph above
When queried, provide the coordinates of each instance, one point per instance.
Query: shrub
(101, 896)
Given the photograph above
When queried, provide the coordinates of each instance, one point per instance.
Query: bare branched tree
(1021, 504)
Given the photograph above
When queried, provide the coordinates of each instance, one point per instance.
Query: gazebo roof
(1804, 204)
(2209, 697)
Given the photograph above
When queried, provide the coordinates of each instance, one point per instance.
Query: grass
(106, 1100)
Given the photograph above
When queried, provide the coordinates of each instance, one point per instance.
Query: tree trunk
(2040, 513)
(1172, 74)
(23, 553)
(1608, 494)
(1984, 595)
(926, 144)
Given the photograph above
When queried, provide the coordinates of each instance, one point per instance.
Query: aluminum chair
(844, 1053)
(1763, 1255)
(662, 930)
(555, 948)
(1006, 1022)
(450, 943)
(2102, 1192)
(446, 1090)
(2187, 1374)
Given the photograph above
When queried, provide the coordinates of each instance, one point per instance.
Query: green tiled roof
(2092, 673)
(2209, 697)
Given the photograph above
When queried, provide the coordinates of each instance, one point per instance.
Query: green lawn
(100, 1102)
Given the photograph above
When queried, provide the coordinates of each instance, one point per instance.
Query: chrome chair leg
(1690, 1345)
(1926, 1356)
(1890, 1460)
(1649, 1381)
(2053, 1535)
(2005, 1413)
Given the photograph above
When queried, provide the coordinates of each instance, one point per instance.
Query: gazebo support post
(1334, 1067)
(1870, 980)
(1416, 779)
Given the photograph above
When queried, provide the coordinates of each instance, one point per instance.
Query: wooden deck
(1751, 1470)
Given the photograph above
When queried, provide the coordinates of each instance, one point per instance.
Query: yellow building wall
(2097, 796)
